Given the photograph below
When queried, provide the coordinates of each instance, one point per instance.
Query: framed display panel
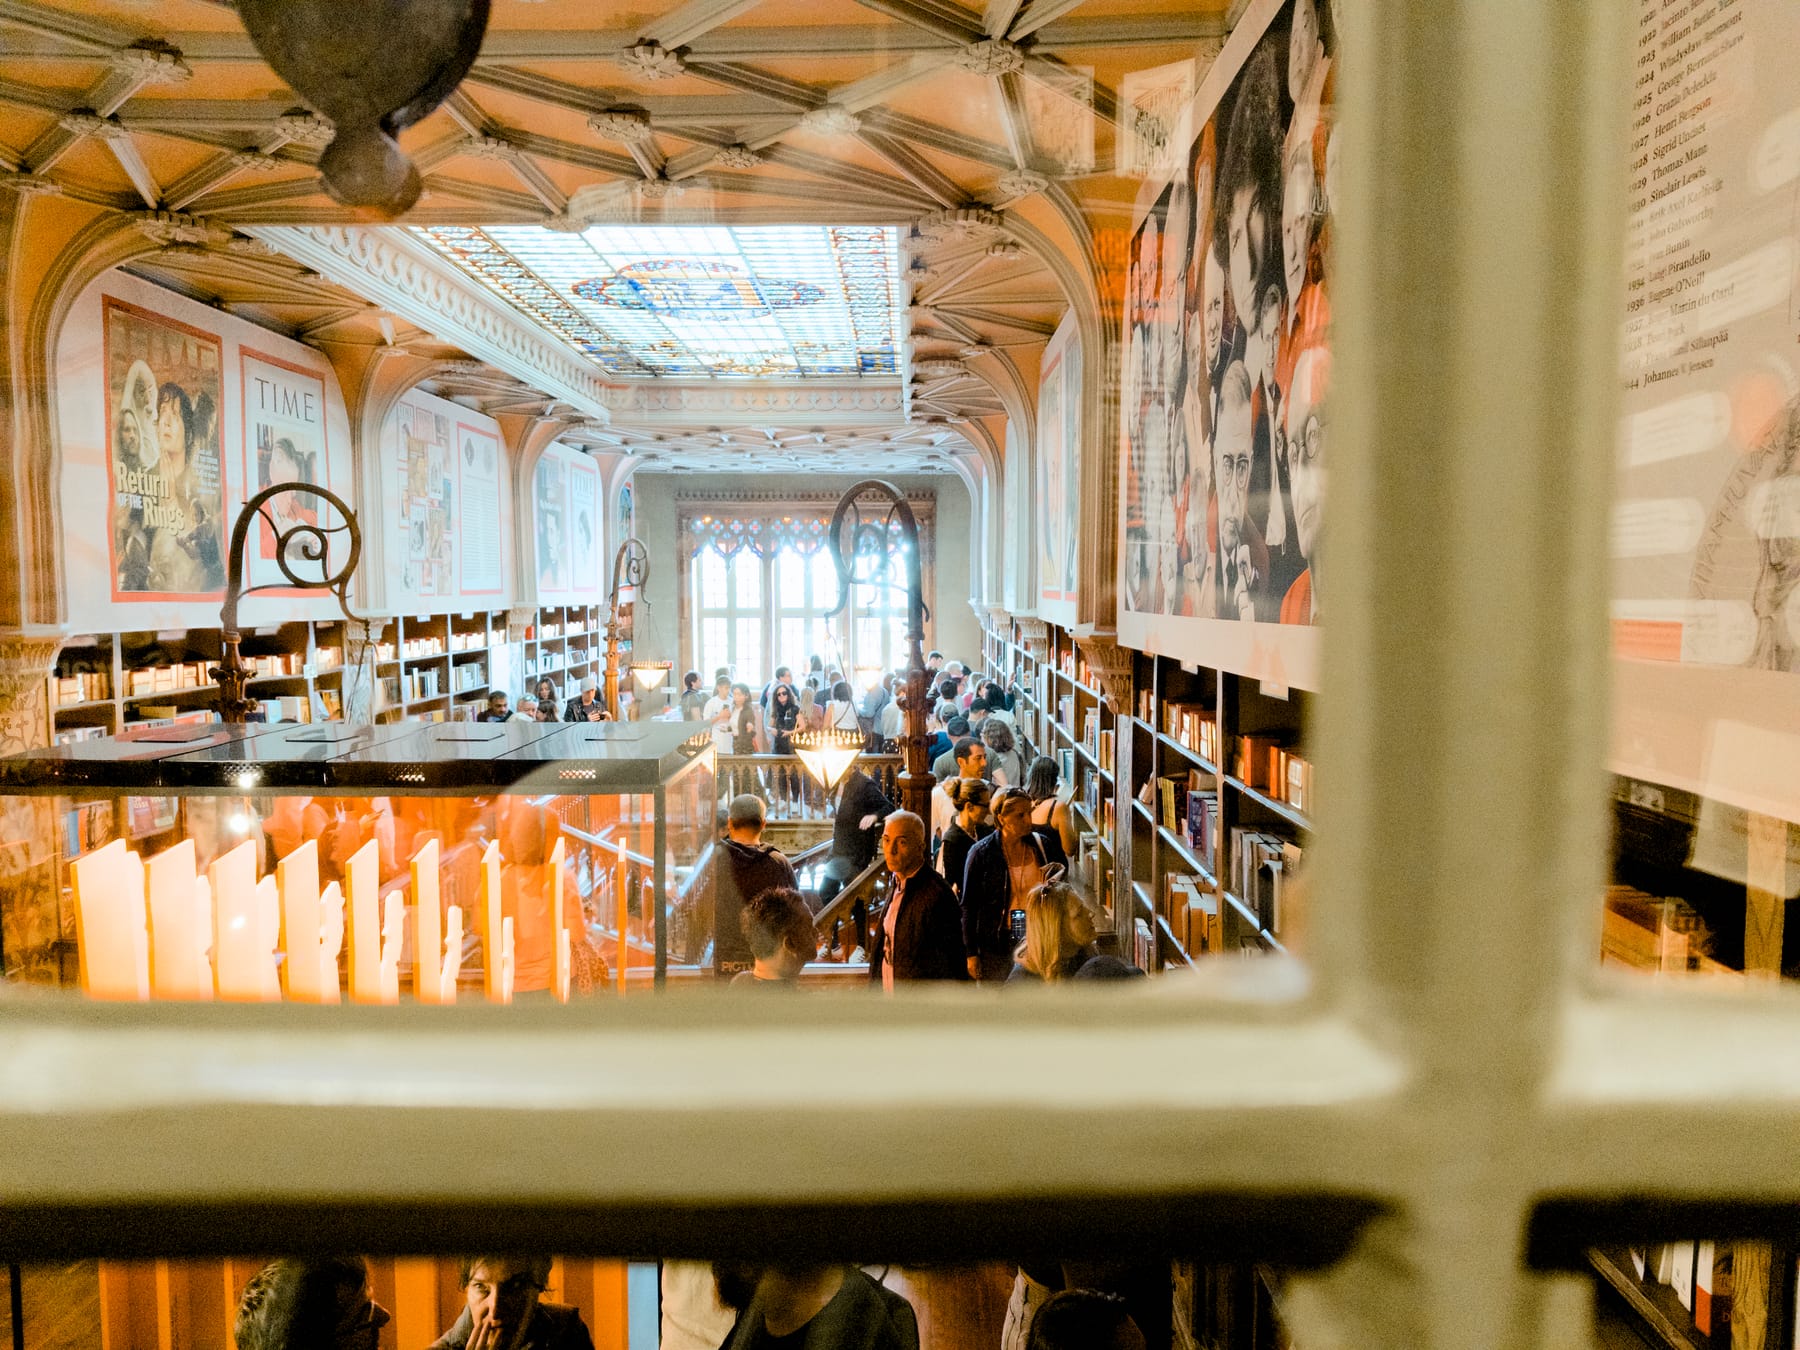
(1226, 360)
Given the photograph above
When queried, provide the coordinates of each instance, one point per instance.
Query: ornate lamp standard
(631, 567)
(863, 547)
(303, 542)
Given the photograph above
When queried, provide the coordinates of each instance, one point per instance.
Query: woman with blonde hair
(1059, 934)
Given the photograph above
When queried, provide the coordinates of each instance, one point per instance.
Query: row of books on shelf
(1664, 934)
(1697, 1273)
(328, 658)
(1187, 805)
(167, 679)
(86, 686)
(1191, 909)
(1192, 725)
(471, 676)
(276, 665)
(1074, 665)
(468, 642)
(1263, 869)
(420, 684)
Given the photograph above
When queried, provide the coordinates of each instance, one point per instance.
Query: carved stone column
(1112, 667)
(30, 919)
(998, 616)
(518, 620)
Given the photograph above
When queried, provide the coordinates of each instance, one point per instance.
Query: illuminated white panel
(697, 301)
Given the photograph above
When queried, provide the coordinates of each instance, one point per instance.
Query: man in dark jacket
(586, 706)
(920, 935)
(747, 868)
(862, 806)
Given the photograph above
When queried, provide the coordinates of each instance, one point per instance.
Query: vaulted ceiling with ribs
(987, 136)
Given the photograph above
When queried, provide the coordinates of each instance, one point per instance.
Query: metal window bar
(1453, 1066)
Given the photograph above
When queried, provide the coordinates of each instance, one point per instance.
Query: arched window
(762, 592)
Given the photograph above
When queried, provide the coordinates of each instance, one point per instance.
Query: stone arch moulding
(525, 438)
(108, 241)
(1099, 459)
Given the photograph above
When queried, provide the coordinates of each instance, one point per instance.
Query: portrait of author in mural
(167, 519)
(1227, 293)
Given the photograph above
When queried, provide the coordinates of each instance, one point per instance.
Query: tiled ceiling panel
(697, 301)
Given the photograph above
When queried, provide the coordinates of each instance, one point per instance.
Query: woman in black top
(784, 717)
(970, 797)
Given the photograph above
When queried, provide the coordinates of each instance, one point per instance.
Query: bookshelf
(1200, 798)
(437, 667)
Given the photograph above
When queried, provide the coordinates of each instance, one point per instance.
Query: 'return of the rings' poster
(1227, 362)
(164, 399)
(1706, 527)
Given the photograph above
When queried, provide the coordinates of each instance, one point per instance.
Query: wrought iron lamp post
(631, 567)
(863, 546)
(304, 543)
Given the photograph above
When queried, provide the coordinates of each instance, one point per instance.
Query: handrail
(601, 840)
(854, 890)
(806, 857)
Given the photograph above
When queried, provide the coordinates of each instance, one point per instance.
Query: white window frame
(1453, 1056)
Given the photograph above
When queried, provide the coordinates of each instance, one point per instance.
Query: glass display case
(319, 861)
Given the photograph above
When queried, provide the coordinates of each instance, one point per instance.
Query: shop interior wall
(953, 628)
(84, 404)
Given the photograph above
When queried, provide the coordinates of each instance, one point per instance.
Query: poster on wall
(424, 499)
(1059, 469)
(1706, 525)
(478, 529)
(284, 441)
(550, 502)
(164, 395)
(1226, 360)
(584, 529)
(627, 515)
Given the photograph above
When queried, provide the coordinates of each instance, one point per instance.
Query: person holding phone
(1001, 871)
(504, 1309)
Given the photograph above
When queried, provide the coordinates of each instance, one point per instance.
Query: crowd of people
(541, 703)
(326, 1304)
(977, 891)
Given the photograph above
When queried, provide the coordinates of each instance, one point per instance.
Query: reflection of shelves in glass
(1263, 799)
(1190, 860)
(87, 705)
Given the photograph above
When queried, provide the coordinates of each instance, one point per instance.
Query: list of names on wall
(1709, 359)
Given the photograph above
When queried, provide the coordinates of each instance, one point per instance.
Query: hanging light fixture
(828, 754)
(650, 675)
(867, 677)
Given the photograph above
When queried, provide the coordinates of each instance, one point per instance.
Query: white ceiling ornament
(1006, 248)
(83, 122)
(627, 125)
(567, 222)
(1015, 184)
(152, 66)
(174, 227)
(30, 184)
(938, 368)
(246, 247)
(304, 128)
(660, 189)
(990, 56)
(490, 148)
(254, 161)
(831, 120)
(739, 156)
(963, 224)
(651, 61)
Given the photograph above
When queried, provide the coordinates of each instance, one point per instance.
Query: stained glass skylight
(751, 301)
